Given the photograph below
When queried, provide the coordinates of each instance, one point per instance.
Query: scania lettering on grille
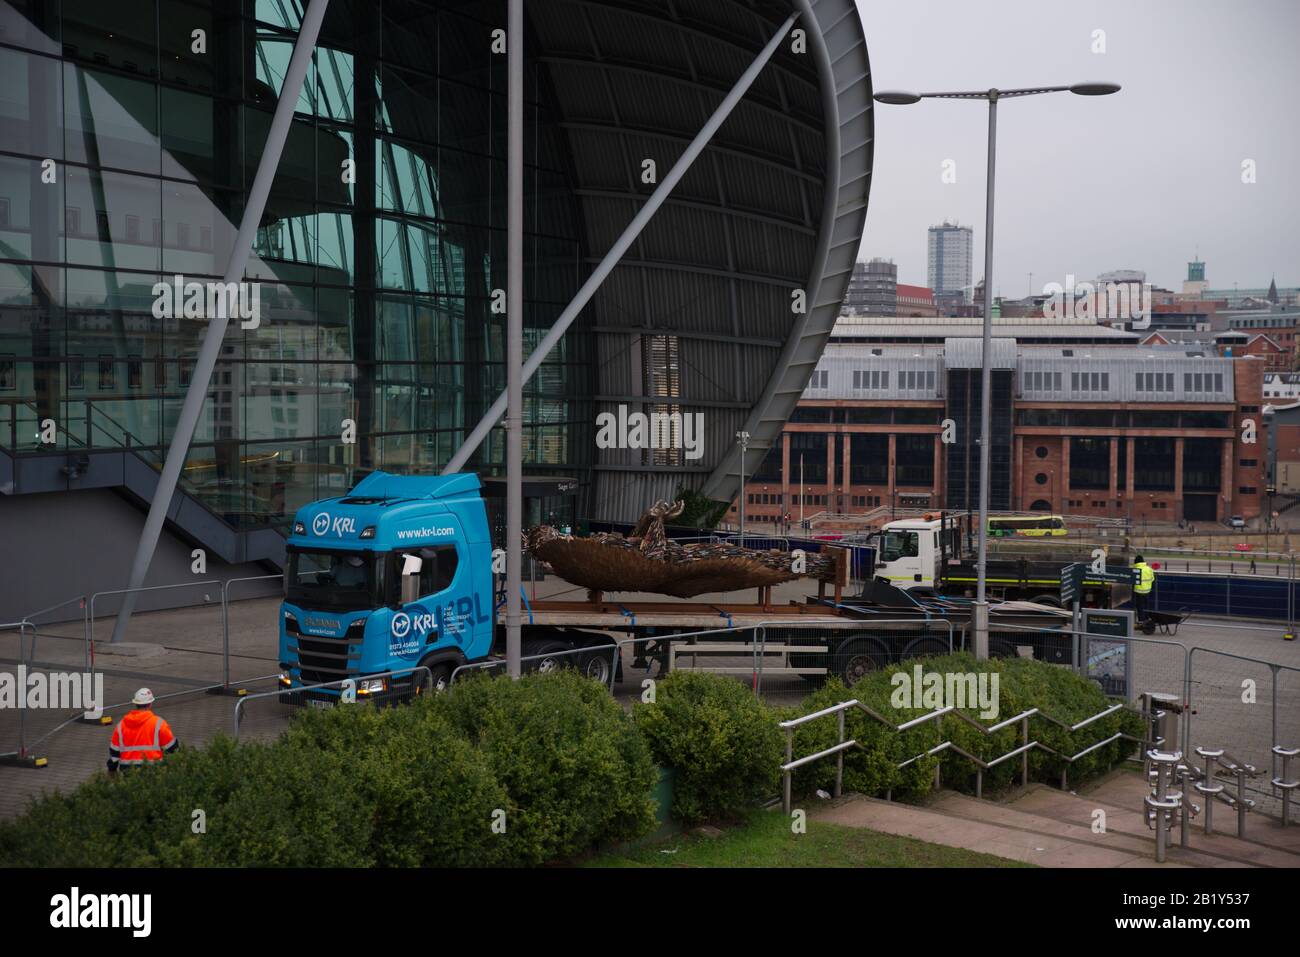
(340, 525)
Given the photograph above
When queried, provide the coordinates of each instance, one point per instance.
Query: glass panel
(110, 120)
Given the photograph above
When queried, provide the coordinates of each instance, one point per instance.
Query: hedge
(501, 773)
(494, 773)
(721, 740)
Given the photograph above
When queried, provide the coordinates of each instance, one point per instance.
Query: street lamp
(743, 436)
(980, 612)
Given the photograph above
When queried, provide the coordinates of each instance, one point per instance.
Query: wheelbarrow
(1163, 621)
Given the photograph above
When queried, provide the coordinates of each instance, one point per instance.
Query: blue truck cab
(394, 574)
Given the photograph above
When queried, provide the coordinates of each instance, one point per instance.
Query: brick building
(1085, 422)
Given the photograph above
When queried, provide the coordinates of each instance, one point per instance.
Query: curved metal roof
(697, 316)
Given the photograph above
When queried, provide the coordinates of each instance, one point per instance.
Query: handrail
(1026, 745)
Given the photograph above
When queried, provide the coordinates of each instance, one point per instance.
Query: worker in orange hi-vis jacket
(141, 737)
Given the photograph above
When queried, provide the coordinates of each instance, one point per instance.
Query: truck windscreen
(320, 578)
(896, 545)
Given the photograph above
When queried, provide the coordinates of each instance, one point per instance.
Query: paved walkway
(1041, 825)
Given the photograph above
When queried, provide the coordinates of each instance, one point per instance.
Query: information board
(1108, 662)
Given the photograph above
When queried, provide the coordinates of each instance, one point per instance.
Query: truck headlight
(290, 623)
(285, 680)
(370, 686)
(299, 528)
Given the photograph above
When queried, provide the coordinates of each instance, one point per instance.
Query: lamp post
(743, 436)
(980, 611)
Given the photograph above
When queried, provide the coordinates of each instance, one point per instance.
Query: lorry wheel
(1052, 600)
(596, 665)
(548, 664)
(1001, 648)
(436, 681)
(926, 648)
(858, 657)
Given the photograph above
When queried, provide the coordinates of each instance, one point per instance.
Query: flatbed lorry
(924, 557)
(398, 573)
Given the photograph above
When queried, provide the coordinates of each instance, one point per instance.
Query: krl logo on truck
(343, 525)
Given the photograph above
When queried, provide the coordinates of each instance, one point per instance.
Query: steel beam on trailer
(622, 244)
(215, 334)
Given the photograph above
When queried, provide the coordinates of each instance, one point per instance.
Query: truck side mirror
(411, 567)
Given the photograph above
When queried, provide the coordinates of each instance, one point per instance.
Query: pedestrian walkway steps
(1051, 828)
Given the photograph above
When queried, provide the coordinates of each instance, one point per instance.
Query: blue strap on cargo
(630, 615)
(727, 615)
(523, 594)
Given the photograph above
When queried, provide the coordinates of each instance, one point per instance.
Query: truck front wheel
(436, 681)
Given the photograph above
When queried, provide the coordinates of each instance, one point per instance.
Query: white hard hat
(143, 696)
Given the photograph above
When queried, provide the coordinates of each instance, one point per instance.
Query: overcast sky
(1138, 180)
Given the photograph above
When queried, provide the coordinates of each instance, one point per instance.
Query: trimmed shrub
(567, 755)
(721, 740)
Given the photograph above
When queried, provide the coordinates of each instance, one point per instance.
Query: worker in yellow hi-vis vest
(1142, 585)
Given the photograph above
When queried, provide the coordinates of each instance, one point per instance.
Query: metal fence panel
(1243, 706)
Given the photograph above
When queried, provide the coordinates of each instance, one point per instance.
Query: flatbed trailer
(850, 638)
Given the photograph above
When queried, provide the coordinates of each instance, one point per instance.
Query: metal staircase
(92, 450)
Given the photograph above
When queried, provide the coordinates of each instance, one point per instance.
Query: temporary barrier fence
(342, 684)
(225, 687)
(1247, 707)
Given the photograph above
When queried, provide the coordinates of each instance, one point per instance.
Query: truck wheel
(858, 657)
(926, 648)
(436, 681)
(1001, 648)
(596, 665)
(552, 661)
(1052, 600)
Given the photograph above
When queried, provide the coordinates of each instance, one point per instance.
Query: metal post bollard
(1241, 800)
(1284, 783)
(1210, 790)
(1162, 801)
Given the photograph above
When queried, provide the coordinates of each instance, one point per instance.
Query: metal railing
(1026, 745)
(339, 683)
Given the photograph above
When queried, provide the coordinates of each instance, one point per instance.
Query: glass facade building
(130, 136)
(130, 133)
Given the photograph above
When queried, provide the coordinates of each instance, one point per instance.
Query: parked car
(1236, 522)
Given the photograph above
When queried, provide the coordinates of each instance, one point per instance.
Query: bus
(1027, 525)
